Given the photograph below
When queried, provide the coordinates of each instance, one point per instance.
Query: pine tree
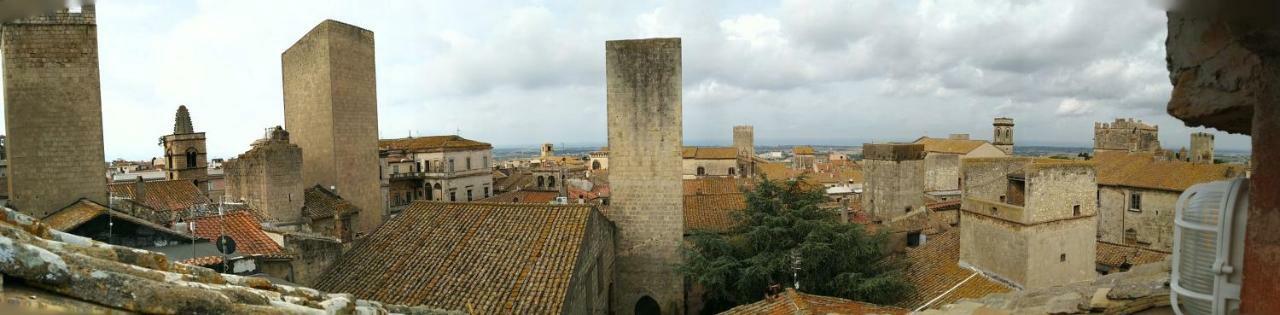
(784, 238)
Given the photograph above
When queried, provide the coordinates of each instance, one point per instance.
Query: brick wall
(645, 146)
(331, 111)
(53, 111)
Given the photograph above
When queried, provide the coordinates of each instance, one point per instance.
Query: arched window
(191, 157)
(733, 171)
(647, 306)
(595, 165)
(702, 171)
(551, 182)
(542, 182)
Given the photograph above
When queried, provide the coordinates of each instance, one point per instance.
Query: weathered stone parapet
(892, 151)
(1145, 288)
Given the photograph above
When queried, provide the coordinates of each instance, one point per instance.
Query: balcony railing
(437, 175)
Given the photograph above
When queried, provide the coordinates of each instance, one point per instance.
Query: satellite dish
(226, 245)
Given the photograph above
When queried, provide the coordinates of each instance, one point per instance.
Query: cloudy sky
(517, 73)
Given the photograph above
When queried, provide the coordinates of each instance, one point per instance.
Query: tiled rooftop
(162, 195)
(85, 210)
(524, 196)
(954, 146)
(935, 270)
(792, 302)
(488, 257)
(710, 153)
(802, 150)
(432, 143)
(322, 203)
(242, 227)
(715, 185)
(1114, 255)
(1143, 171)
(713, 213)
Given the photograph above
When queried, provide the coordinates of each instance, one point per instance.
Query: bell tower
(184, 150)
(1003, 138)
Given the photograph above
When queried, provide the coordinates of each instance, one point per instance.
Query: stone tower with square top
(53, 111)
(184, 150)
(645, 165)
(1003, 138)
(331, 112)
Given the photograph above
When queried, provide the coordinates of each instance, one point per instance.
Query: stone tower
(548, 150)
(744, 141)
(331, 112)
(645, 143)
(1127, 135)
(894, 179)
(1003, 138)
(1202, 147)
(1030, 222)
(269, 177)
(184, 150)
(53, 111)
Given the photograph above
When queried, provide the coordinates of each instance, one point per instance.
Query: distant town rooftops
(161, 195)
(802, 150)
(432, 144)
(242, 227)
(322, 203)
(710, 153)
(1143, 170)
(797, 303)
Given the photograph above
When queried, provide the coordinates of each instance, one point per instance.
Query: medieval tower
(744, 141)
(894, 179)
(184, 150)
(645, 143)
(1003, 138)
(53, 111)
(331, 112)
(1202, 147)
(1127, 135)
(269, 177)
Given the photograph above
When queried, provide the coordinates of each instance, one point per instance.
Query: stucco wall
(988, 244)
(1053, 192)
(1153, 224)
(942, 171)
(713, 167)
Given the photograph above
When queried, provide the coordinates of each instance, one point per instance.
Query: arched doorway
(702, 171)
(647, 306)
(595, 165)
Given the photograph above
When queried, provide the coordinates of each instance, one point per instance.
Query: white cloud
(1074, 107)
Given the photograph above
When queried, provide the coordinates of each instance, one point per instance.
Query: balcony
(436, 174)
(994, 209)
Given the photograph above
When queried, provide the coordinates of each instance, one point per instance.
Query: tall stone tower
(184, 150)
(744, 140)
(331, 112)
(894, 179)
(1202, 147)
(548, 150)
(269, 177)
(645, 144)
(53, 111)
(1003, 138)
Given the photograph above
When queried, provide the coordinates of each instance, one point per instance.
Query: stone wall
(313, 256)
(645, 151)
(53, 111)
(1126, 135)
(1056, 189)
(1153, 225)
(175, 152)
(1002, 137)
(331, 109)
(988, 178)
(713, 168)
(981, 236)
(744, 140)
(942, 171)
(268, 178)
(1202, 147)
(593, 276)
(894, 179)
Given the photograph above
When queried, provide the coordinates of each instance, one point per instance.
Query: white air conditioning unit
(1208, 248)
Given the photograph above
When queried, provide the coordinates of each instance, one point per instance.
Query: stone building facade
(942, 160)
(1128, 135)
(803, 157)
(744, 139)
(645, 143)
(268, 177)
(184, 150)
(894, 179)
(1201, 147)
(1003, 138)
(1030, 222)
(702, 162)
(53, 111)
(447, 168)
(331, 109)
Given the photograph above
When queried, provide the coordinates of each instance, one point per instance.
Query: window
(395, 169)
(702, 171)
(191, 158)
(732, 172)
(451, 165)
(468, 163)
(469, 195)
(906, 209)
(993, 210)
(486, 192)
(1135, 202)
(595, 165)
(1001, 198)
(542, 182)
(1075, 210)
(1062, 258)
(453, 196)
(551, 182)
(486, 161)
(419, 164)
(914, 239)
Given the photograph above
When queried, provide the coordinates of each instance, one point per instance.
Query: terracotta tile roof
(322, 203)
(575, 193)
(1141, 170)
(792, 302)
(490, 257)
(955, 146)
(710, 153)
(84, 210)
(524, 196)
(1114, 255)
(432, 143)
(715, 213)
(202, 261)
(778, 171)
(242, 227)
(162, 195)
(517, 179)
(935, 270)
(802, 150)
(715, 185)
(944, 205)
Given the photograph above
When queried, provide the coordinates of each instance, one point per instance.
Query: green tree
(784, 238)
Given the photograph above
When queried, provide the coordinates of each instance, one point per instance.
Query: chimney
(139, 190)
(564, 186)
